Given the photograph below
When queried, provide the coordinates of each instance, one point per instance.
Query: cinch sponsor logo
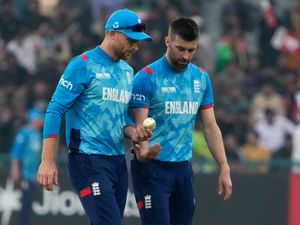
(168, 89)
(178, 107)
(65, 83)
(103, 75)
(138, 97)
(115, 95)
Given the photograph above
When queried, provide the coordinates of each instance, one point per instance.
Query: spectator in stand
(24, 46)
(231, 47)
(232, 150)
(282, 157)
(11, 71)
(205, 55)
(234, 102)
(239, 11)
(232, 76)
(291, 20)
(267, 27)
(33, 16)
(7, 17)
(265, 98)
(290, 83)
(225, 123)
(272, 130)
(253, 75)
(254, 156)
(236, 106)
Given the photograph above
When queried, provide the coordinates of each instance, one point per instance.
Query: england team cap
(129, 23)
(35, 114)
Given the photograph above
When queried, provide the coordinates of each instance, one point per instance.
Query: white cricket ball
(149, 123)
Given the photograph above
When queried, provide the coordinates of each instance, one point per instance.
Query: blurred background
(251, 50)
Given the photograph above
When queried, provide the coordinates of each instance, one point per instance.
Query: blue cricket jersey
(26, 148)
(173, 98)
(94, 91)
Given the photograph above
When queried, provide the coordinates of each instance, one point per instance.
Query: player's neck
(105, 46)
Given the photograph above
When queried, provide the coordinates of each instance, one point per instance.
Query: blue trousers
(28, 189)
(164, 192)
(101, 183)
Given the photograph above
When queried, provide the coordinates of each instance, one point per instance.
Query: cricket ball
(149, 123)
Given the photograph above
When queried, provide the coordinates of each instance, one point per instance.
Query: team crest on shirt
(129, 78)
(103, 75)
(196, 86)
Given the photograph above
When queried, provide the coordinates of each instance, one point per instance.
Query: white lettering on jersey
(102, 75)
(168, 89)
(115, 95)
(65, 83)
(138, 97)
(178, 107)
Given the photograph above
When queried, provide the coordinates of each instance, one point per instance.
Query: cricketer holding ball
(174, 91)
(94, 92)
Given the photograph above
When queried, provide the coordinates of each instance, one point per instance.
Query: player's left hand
(141, 134)
(143, 154)
(225, 184)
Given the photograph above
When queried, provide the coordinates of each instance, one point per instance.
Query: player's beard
(125, 55)
(181, 63)
(178, 63)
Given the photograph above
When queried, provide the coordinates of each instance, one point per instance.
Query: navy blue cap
(129, 23)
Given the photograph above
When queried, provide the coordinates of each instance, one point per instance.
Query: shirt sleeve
(208, 98)
(71, 84)
(141, 91)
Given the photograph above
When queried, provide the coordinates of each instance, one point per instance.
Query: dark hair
(185, 28)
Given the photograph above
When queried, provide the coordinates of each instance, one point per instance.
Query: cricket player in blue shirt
(94, 92)
(172, 91)
(25, 155)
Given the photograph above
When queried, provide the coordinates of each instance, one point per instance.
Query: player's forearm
(15, 170)
(214, 140)
(139, 115)
(49, 149)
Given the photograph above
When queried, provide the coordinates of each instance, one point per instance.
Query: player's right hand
(47, 174)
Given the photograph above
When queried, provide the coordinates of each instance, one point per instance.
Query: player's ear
(167, 41)
(112, 34)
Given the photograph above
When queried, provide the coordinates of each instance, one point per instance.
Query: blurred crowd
(254, 64)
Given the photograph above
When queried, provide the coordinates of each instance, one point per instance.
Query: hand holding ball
(149, 123)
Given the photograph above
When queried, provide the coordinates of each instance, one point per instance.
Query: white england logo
(148, 202)
(96, 189)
